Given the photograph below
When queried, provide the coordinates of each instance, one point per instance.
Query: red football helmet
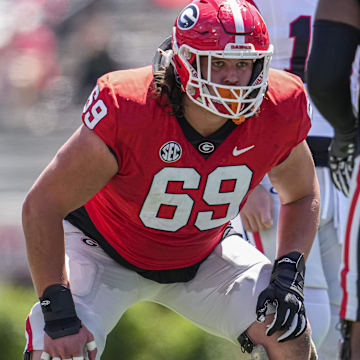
(228, 29)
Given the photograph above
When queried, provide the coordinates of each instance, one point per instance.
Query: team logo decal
(188, 17)
(170, 152)
(206, 147)
(90, 242)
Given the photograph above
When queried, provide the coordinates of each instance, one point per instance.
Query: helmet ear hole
(257, 69)
(187, 55)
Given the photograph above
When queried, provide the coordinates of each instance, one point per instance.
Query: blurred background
(51, 53)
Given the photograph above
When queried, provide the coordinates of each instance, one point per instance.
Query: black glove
(59, 312)
(341, 160)
(286, 293)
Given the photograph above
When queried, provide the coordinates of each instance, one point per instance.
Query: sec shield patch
(170, 152)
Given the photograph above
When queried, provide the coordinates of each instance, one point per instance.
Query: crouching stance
(136, 205)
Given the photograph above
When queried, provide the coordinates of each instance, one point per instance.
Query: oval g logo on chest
(206, 147)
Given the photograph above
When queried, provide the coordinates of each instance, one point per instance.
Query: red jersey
(168, 206)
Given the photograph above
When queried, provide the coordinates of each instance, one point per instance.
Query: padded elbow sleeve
(329, 70)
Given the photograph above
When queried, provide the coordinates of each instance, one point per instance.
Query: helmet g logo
(188, 17)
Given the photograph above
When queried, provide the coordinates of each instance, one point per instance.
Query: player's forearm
(45, 245)
(298, 223)
(328, 79)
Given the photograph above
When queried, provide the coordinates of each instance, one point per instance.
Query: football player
(329, 71)
(290, 28)
(145, 189)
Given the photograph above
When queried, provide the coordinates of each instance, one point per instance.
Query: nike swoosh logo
(237, 152)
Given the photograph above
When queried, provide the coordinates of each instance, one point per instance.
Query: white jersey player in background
(290, 28)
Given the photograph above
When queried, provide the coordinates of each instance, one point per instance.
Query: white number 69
(98, 110)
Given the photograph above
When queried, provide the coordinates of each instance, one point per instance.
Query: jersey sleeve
(299, 113)
(305, 114)
(101, 113)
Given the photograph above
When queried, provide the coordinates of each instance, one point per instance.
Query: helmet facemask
(233, 102)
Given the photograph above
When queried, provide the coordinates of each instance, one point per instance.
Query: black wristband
(59, 312)
(289, 272)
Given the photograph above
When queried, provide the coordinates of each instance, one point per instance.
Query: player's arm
(296, 182)
(78, 171)
(345, 11)
(328, 78)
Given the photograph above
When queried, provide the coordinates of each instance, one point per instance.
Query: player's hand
(341, 160)
(286, 293)
(258, 211)
(79, 346)
(65, 336)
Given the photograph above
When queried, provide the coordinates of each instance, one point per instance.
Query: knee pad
(345, 342)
